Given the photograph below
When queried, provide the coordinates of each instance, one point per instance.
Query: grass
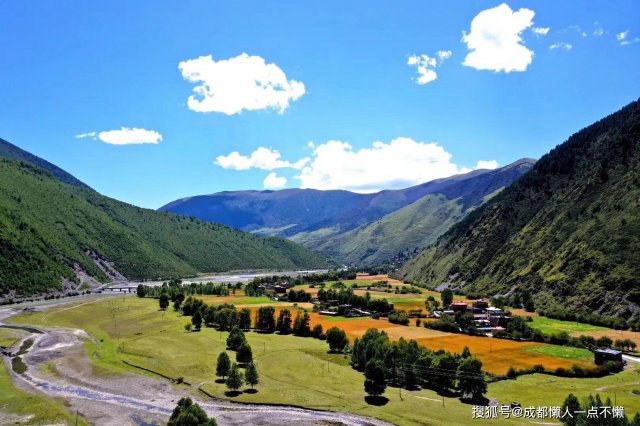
(17, 406)
(8, 337)
(293, 370)
(562, 352)
(554, 326)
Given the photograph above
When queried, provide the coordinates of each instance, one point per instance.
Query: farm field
(299, 371)
(554, 326)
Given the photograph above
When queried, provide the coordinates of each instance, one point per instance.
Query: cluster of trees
(409, 365)
(252, 288)
(174, 287)
(561, 313)
(230, 373)
(187, 413)
(301, 326)
(580, 414)
(399, 317)
(298, 296)
(345, 296)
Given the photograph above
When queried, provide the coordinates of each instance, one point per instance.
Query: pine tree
(251, 375)
(235, 339)
(223, 366)
(235, 379)
(244, 354)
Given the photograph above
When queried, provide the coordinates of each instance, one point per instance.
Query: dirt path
(106, 398)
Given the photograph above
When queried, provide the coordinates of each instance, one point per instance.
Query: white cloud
(599, 31)
(487, 164)
(273, 181)
(495, 42)
(262, 158)
(124, 136)
(398, 164)
(541, 31)
(241, 83)
(426, 65)
(622, 36)
(561, 45)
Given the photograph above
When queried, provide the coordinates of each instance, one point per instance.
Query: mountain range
(568, 231)
(362, 229)
(57, 233)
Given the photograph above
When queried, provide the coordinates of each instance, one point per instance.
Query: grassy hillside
(568, 231)
(47, 229)
(416, 225)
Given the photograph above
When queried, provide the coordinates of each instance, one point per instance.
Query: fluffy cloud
(540, 30)
(273, 181)
(494, 40)
(426, 65)
(124, 136)
(561, 45)
(487, 164)
(622, 36)
(241, 83)
(262, 158)
(400, 163)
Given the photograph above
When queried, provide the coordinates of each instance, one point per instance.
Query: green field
(554, 326)
(293, 370)
(562, 351)
(8, 337)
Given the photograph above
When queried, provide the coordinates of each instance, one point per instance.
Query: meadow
(300, 371)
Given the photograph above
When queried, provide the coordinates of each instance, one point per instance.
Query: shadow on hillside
(232, 394)
(251, 391)
(378, 401)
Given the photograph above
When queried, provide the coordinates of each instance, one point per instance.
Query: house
(494, 312)
(604, 355)
(480, 306)
(330, 313)
(458, 307)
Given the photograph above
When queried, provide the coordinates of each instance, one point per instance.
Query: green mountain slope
(414, 226)
(568, 231)
(53, 233)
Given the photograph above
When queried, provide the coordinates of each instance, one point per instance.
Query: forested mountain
(568, 231)
(53, 233)
(356, 228)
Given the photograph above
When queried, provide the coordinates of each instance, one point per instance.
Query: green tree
(337, 339)
(140, 291)
(235, 379)
(223, 365)
(471, 380)
(196, 320)
(283, 325)
(266, 321)
(375, 381)
(317, 331)
(301, 325)
(466, 352)
(187, 413)
(244, 355)
(244, 319)
(571, 404)
(164, 301)
(604, 342)
(447, 366)
(251, 375)
(235, 339)
(446, 296)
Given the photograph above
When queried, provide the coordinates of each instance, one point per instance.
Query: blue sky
(339, 104)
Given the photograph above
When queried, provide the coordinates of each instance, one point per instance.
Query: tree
(140, 291)
(446, 365)
(466, 352)
(571, 404)
(164, 301)
(223, 365)
(375, 381)
(471, 380)
(196, 320)
(235, 339)
(187, 413)
(244, 319)
(446, 296)
(317, 331)
(337, 339)
(266, 321)
(284, 322)
(244, 355)
(604, 342)
(235, 379)
(251, 375)
(301, 325)
(178, 298)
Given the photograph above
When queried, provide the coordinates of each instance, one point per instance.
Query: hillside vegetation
(363, 229)
(568, 231)
(52, 232)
